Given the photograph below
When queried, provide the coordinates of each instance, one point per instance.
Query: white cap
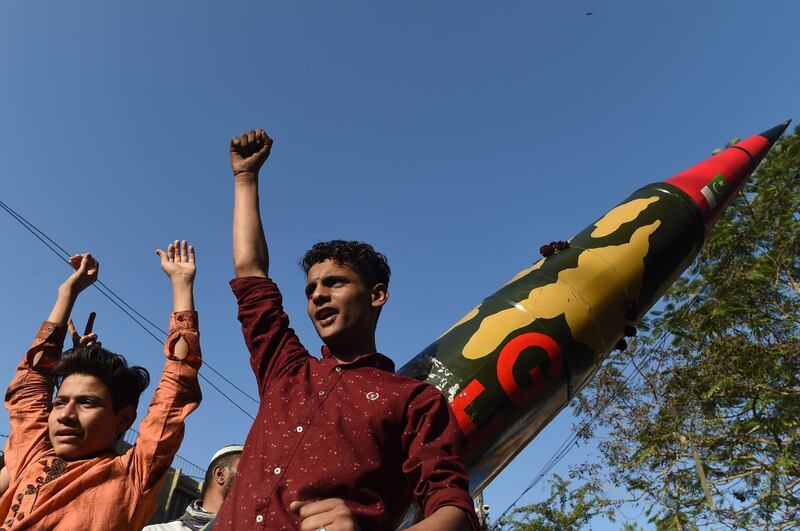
(225, 450)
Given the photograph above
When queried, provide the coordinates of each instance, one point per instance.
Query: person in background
(64, 473)
(216, 485)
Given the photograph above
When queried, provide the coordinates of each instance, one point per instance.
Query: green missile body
(513, 362)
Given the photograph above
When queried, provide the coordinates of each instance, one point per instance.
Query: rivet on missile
(549, 248)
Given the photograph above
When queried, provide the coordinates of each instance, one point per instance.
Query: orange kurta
(106, 492)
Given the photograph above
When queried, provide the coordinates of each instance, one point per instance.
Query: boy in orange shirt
(64, 473)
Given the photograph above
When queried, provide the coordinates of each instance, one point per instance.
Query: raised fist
(86, 270)
(249, 151)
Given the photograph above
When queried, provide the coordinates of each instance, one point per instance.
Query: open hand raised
(249, 151)
(178, 262)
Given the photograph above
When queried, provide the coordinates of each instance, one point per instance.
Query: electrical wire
(572, 440)
(120, 303)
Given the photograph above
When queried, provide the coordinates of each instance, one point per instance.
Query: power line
(572, 440)
(120, 303)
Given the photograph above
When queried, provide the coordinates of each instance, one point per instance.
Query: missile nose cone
(713, 183)
(775, 133)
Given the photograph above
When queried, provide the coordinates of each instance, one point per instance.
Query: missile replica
(513, 362)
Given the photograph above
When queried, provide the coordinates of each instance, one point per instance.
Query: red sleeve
(433, 466)
(273, 345)
(29, 397)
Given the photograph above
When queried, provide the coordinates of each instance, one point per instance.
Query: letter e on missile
(461, 401)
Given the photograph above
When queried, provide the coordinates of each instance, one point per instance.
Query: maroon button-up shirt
(354, 431)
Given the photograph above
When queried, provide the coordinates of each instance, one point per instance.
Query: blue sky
(455, 136)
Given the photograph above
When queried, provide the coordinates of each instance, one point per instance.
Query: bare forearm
(444, 519)
(182, 301)
(250, 255)
(67, 295)
(182, 297)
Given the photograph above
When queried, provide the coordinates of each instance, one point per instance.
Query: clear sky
(457, 137)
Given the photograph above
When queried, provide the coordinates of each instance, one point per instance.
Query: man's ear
(126, 417)
(379, 294)
(219, 475)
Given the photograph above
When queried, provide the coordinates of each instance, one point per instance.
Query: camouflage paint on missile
(512, 363)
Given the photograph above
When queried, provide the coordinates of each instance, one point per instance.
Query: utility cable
(572, 440)
(126, 308)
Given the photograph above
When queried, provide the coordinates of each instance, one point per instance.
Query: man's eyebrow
(334, 278)
(79, 397)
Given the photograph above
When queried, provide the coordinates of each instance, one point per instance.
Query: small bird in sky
(589, 13)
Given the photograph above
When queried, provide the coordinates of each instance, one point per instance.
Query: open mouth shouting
(326, 316)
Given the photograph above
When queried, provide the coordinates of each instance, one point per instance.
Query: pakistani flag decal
(714, 190)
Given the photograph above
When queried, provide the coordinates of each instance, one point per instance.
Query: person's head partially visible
(95, 403)
(219, 478)
(347, 284)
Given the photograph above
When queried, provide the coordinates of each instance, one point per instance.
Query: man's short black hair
(125, 384)
(370, 265)
(223, 461)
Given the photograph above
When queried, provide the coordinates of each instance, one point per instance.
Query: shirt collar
(376, 359)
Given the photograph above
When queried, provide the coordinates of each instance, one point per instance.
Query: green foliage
(563, 510)
(707, 433)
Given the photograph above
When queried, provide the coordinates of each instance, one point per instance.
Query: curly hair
(370, 265)
(125, 384)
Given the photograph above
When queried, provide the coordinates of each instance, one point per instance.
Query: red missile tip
(713, 183)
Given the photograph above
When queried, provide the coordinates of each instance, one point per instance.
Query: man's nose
(320, 295)
(67, 412)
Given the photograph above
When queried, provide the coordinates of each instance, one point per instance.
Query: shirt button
(20, 516)
(260, 518)
(20, 496)
(299, 429)
(49, 328)
(338, 369)
(15, 507)
(9, 522)
(276, 470)
(321, 393)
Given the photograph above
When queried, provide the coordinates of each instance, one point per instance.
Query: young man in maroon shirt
(341, 443)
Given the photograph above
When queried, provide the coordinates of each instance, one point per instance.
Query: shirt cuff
(184, 325)
(49, 341)
(452, 497)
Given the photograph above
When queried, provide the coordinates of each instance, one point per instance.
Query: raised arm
(86, 270)
(179, 264)
(28, 398)
(178, 392)
(248, 152)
